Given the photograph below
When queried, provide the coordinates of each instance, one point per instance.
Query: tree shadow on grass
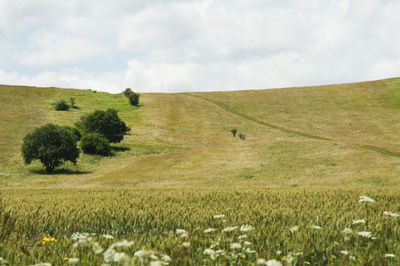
(60, 171)
(120, 148)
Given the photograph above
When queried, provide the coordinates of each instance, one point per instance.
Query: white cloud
(176, 45)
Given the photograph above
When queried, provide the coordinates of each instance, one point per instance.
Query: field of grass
(309, 154)
(292, 225)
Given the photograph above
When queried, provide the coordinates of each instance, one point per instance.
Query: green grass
(310, 153)
(150, 218)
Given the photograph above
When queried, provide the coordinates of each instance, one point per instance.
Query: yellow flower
(45, 239)
(43, 242)
(53, 239)
(66, 258)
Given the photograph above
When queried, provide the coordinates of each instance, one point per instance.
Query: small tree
(234, 131)
(72, 101)
(127, 92)
(134, 99)
(106, 123)
(52, 145)
(95, 143)
(62, 105)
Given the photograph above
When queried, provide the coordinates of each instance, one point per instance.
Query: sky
(197, 45)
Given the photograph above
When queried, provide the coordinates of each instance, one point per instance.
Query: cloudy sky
(197, 45)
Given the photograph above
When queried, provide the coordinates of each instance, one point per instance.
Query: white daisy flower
(246, 228)
(236, 246)
(361, 221)
(345, 252)
(209, 230)
(391, 214)
(390, 255)
(365, 234)
(366, 199)
(230, 228)
(242, 237)
(186, 244)
(347, 230)
(294, 228)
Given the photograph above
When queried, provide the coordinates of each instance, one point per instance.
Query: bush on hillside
(127, 92)
(96, 144)
(75, 131)
(52, 145)
(134, 99)
(106, 123)
(62, 105)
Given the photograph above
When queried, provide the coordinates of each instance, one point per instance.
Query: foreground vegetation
(291, 225)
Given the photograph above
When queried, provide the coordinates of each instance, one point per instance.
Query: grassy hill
(320, 136)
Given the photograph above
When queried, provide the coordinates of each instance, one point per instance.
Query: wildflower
(73, 260)
(294, 228)
(391, 214)
(269, 262)
(213, 245)
(247, 243)
(236, 246)
(97, 248)
(43, 242)
(362, 221)
(219, 252)
(242, 237)
(186, 244)
(66, 258)
(42, 264)
(209, 230)
(166, 258)
(46, 239)
(316, 227)
(182, 233)
(347, 231)
(250, 251)
(365, 234)
(53, 239)
(366, 199)
(108, 236)
(390, 255)
(123, 243)
(246, 228)
(345, 252)
(218, 216)
(230, 229)
(209, 252)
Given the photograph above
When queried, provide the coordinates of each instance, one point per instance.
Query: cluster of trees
(53, 145)
(132, 96)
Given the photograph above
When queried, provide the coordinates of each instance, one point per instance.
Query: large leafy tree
(106, 123)
(52, 145)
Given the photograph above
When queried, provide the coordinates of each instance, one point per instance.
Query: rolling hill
(307, 136)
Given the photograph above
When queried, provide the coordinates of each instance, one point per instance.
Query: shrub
(242, 136)
(134, 99)
(52, 145)
(75, 131)
(106, 123)
(234, 131)
(95, 143)
(72, 101)
(127, 92)
(62, 106)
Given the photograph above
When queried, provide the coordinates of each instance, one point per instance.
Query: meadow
(289, 193)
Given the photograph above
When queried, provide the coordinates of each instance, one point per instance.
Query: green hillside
(324, 135)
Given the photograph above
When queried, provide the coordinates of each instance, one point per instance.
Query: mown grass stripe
(286, 130)
(380, 150)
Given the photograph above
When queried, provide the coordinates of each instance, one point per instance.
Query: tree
(106, 123)
(234, 131)
(95, 143)
(52, 145)
(62, 105)
(127, 92)
(134, 99)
